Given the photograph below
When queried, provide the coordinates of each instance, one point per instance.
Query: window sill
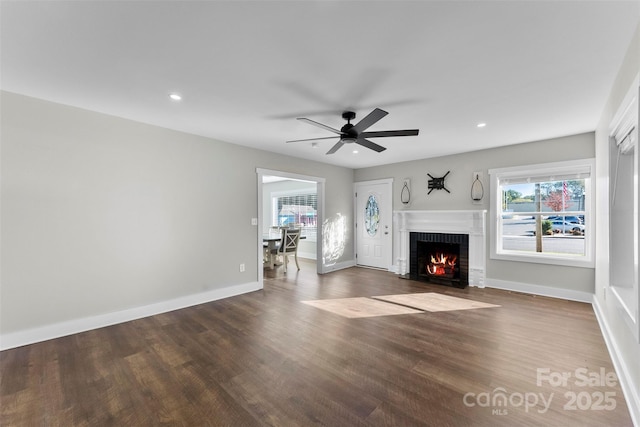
(582, 262)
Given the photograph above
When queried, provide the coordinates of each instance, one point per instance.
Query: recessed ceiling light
(481, 125)
(355, 151)
(175, 96)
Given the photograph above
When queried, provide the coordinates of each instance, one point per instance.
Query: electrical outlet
(241, 268)
(254, 221)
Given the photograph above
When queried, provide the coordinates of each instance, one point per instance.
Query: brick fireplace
(441, 258)
(445, 235)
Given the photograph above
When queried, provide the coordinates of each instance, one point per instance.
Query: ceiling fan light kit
(355, 134)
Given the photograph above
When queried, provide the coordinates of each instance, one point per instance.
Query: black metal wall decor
(477, 189)
(405, 193)
(437, 183)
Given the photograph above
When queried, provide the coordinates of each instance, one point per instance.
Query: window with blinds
(542, 213)
(623, 209)
(297, 210)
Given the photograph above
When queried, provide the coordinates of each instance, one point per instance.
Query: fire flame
(442, 264)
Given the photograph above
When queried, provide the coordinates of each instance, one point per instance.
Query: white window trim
(624, 132)
(288, 193)
(550, 169)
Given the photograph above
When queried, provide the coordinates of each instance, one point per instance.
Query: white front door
(374, 211)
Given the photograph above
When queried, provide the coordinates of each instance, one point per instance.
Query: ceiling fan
(356, 133)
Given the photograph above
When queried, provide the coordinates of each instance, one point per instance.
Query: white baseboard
(546, 291)
(56, 330)
(630, 390)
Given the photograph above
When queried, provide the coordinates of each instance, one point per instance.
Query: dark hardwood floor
(265, 358)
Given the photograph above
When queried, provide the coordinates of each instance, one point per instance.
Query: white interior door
(374, 210)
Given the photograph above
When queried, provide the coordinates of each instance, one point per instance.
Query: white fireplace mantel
(471, 222)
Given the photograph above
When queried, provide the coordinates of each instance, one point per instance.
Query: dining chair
(288, 246)
(267, 247)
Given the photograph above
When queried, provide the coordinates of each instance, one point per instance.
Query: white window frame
(624, 136)
(290, 193)
(556, 169)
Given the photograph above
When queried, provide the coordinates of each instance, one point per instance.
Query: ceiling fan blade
(369, 144)
(312, 139)
(320, 125)
(406, 132)
(335, 147)
(370, 120)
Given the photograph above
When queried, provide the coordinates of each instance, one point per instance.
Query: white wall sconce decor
(477, 189)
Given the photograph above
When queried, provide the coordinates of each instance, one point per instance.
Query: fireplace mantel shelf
(471, 222)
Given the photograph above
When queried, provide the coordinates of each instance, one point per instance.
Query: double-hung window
(543, 213)
(298, 209)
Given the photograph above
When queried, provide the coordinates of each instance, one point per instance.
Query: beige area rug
(360, 307)
(432, 301)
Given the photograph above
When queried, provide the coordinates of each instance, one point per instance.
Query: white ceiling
(246, 70)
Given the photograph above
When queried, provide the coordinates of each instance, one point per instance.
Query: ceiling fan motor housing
(349, 134)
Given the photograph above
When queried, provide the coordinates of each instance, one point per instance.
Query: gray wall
(458, 182)
(101, 214)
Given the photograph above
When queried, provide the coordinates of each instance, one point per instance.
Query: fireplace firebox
(440, 258)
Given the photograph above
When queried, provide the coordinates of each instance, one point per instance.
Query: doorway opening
(284, 199)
